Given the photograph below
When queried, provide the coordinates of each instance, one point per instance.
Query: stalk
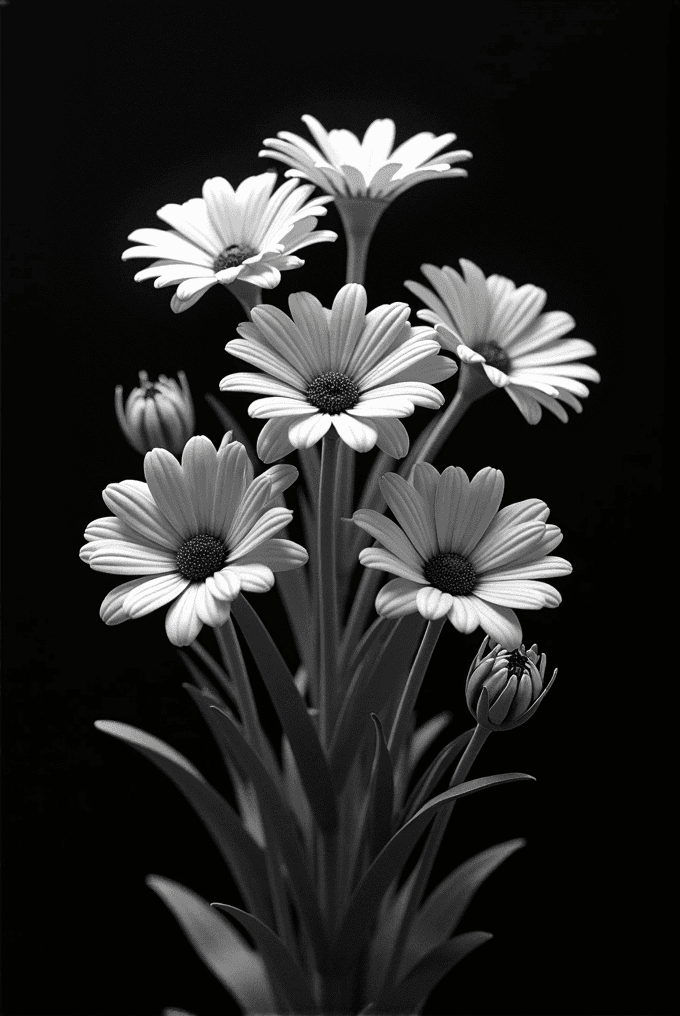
(414, 681)
(328, 598)
(429, 443)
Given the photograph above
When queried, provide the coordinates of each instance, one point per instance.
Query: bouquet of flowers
(329, 810)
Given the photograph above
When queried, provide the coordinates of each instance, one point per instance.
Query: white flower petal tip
(157, 414)
(247, 235)
(490, 322)
(372, 168)
(344, 367)
(456, 555)
(194, 536)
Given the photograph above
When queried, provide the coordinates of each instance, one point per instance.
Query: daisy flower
(348, 168)
(157, 414)
(457, 555)
(245, 235)
(490, 322)
(340, 368)
(194, 535)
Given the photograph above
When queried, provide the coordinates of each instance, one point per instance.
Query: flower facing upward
(490, 322)
(344, 166)
(344, 368)
(504, 687)
(457, 555)
(194, 534)
(158, 414)
(247, 234)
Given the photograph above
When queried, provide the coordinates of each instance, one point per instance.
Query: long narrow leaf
(381, 793)
(282, 967)
(365, 901)
(280, 821)
(438, 917)
(295, 794)
(237, 847)
(221, 947)
(292, 713)
(425, 735)
(434, 773)
(410, 994)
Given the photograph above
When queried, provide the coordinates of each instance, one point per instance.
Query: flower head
(194, 534)
(344, 368)
(346, 167)
(490, 323)
(245, 235)
(457, 555)
(505, 687)
(158, 414)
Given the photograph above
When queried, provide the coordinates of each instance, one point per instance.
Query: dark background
(111, 111)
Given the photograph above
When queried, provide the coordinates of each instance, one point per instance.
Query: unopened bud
(504, 687)
(158, 414)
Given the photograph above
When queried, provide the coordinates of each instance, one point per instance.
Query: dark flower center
(494, 355)
(333, 392)
(517, 661)
(232, 256)
(452, 573)
(150, 390)
(200, 556)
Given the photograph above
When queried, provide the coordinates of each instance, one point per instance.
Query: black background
(113, 110)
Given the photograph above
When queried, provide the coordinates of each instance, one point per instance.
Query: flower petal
(358, 434)
(154, 593)
(451, 503)
(199, 466)
(411, 513)
(501, 623)
(305, 433)
(166, 482)
(392, 436)
(277, 554)
(484, 498)
(210, 609)
(390, 535)
(397, 598)
(463, 614)
(111, 610)
(182, 623)
(433, 603)
(383, 560)
(270, 523)
(119, 558)
(254, 578)
(273, 442)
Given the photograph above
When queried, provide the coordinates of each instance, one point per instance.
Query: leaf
(381, 793)
(439, 915)
(237, 847)
(365, 901)
(281, 966)
(221, 947)
(297, 798)
(201, 681)
(279, 819)
(425, 735)
(368, 690)
(292, 713)
(411, 993)
(230, 422)
(213, 666)
(432, 775)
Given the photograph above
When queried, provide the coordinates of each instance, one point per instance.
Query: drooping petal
(397, 598)
(501, 623)
(111, 610)
(210, 609)
(254, 578)
(153, 594)
(273, 442)
(392, 436)
(433, 603)
(463, 614)
(358, 434)
(383, 560)
(182, 623)
(305, 433)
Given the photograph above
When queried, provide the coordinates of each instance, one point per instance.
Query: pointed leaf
(410, 994)
(281, 966)
(292, 713)
(221, 947)
(365, 901)
(439, 915)
(381, 793)
(239, 850)
(279, 820)
(218, 672)
(425, 735)
(297, 798)
(433, 774)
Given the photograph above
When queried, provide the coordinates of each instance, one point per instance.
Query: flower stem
(248, 296)
(359, 218)
(412, 687)
(328, 596)
(429, 852)
(429, 443)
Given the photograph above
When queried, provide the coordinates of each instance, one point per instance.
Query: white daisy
(456, 555)
(344, 368)
(194, 534)
(244, 235)
(157, 414)
(490, 322)
(346, 167)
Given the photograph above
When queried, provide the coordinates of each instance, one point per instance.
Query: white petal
(189, 292)
(383, 408)
(389, 534)
(119, 558)
(417, 392)
(273, 442)
(527, 404)
(501, 623)
(154, 593)
(260, 355)
(451, 503)
(166, 482)
(260, 383)
(463, 614)
(545, 329)
(224, 584)
(210, 609)
(484, 498)
(522, 594)
(182, 623)
(433, 603)
(277, 406)
(254, 578)
(383, 560)
(270, 523)
(392, 436)
(277, 554)
(199, 466)
(358, 434)
(346, 323)
(507, 547)
(397, 598)
(547, 567)
(307, 432)
(111, 610)
(411, 513)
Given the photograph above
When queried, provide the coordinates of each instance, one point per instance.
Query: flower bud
(504, 686)
(158, 414)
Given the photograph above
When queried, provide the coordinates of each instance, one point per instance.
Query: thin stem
(328, 597)
(429, 443)
(429, 852)
(359, 218)
(414, 681)
(248, 296)
(365, 595)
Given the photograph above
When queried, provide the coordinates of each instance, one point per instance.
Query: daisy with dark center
(228, 236)
(487, 321)
(194, 535)
(457, 556)
(344, 368)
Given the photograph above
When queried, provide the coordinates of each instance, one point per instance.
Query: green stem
(429, 443)
(248, 296)
(359, 218)
(429, 852)
(328, 598)
(412, 687)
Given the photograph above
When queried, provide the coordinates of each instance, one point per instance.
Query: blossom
(158, 414)
(488, 321)
(346, 167)
(344, 368)
(194, 535)
(457, 555)
(504, 687)
(247, 234)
